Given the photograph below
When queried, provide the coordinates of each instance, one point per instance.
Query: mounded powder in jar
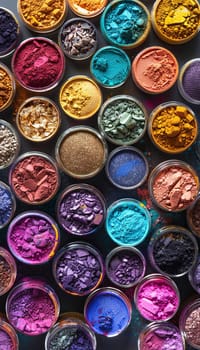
(9, 31)
(9, 144)
(7, 87)
(192, 327)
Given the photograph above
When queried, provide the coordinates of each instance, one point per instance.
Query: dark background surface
(183, 53)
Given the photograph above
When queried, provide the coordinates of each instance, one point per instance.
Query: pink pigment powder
(157, 300)
(38, 63)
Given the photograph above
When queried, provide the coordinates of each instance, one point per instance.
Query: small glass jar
(34, 178)
(164, 334)
(189, 323)
(70, 328)
(175, 260)
(157, 297)
(81, 209)
(8, 269)
(84, 32)
(7, 80)
(175, 23)
(127, 167)
(108, 311)
(25, 300)
(80, 97)
(78, 268)
(189, 81)
(179, 127)
(123, 33)
(36, 17)
(38, 119)
(125, 267)
(194, 276)
(8, 204)
(102, 63)
(10, 19)
(38, 74)
(128, 229)
(9, 337)
(173, 171)
(87, 9)
(81, 152)
(155, 70)
(192, 216)
(122, 127)
(9, 144)
(33, 237)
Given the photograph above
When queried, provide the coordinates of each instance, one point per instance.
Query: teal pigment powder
(128, 222)
(110, 66)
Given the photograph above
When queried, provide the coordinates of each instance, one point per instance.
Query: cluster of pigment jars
(99, 175)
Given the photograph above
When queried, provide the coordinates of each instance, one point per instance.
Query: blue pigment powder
(6, 205)
(127, 168)
(128, 222)
(107, 313)
(110, 66)
(124, 22)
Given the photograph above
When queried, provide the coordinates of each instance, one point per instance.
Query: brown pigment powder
(82, 154)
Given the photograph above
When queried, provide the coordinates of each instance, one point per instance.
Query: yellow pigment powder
(176, 21)
(6, 88)
(42, 14)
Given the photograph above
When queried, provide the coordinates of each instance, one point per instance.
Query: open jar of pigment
(128, 222)
(110, 67)
(87, 9)
(8, 271)
(71, 333)
(8, 337)
(122, 120)
(125, 266)
(172, 127)
(7, 85)
(78, 268)
(80, 97)
(127, 167)
(38, 119)
(189, 81)
(9, 32)
(9, 144)
(34, 178)
(175, 23)
(8, 204)
(33, 237)
(194, 276)
(157, 297)
(32, 307)
(38, 64)
(42, 17)
(125, 23)
(108, 311)
(78, 39)
(173, 250)
(155, 70)
(161, 335)
(173, 185)
(81, 152)
(189, 323)
(193, 215)
(81, 209)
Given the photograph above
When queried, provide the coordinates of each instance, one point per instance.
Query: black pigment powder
(174, 253)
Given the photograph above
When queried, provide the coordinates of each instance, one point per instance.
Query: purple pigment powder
(81, 211)
(31, 311)
(191, 80)
(5, 341)
(33, 237)
(162, 337)
(157, 300)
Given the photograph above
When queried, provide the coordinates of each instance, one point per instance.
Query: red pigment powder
(38, 63)
(34, 179)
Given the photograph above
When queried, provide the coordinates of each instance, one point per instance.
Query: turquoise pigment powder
(110, 66)
(108, 313)
(123, 23)
(128, 222)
